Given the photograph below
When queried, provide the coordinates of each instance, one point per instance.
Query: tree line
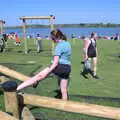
(80, 25)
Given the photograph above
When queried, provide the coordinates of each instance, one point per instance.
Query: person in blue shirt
(60, 66)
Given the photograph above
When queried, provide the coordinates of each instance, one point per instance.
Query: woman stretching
(61, 64)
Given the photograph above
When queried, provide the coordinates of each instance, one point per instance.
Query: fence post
(11, 99)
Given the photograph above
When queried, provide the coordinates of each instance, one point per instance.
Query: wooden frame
(24, 18)
(2, 22)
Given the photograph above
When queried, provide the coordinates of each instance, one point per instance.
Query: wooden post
(52, 27)
(1, 26)
(24, 35)
(11, 99)
(52, 22)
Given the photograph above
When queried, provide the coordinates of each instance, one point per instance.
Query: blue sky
(65, 11)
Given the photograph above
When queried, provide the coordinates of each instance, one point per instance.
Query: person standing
(2, 45)
(60, 66)
(17, 39)
(39, 43)
(90, 55)
(3, 40)
(5, 37)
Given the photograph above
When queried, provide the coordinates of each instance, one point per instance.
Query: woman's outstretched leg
(40, 76)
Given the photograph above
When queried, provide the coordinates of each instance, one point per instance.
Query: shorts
(92, 54)
(62, 71)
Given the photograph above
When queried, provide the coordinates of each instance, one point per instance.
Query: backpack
(91, 49)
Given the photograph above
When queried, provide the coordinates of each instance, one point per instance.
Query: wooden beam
(70, 106)
(5, 116)
(37, 17)
(52, 27)
(13, 73)
(24, 36)
(2, 22)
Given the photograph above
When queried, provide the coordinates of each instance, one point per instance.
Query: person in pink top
(90, 55)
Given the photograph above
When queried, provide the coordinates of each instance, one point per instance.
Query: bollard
(11, 99)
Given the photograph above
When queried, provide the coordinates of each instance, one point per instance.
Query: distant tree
(82, 24)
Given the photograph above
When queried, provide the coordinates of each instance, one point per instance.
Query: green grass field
(104, 91)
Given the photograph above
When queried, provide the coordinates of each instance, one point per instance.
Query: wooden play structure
(17, 109)
(25, 18)
(2, 22)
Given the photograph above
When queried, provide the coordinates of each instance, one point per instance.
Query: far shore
(81, 25)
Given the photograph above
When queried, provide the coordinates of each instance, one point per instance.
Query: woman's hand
(86, 57)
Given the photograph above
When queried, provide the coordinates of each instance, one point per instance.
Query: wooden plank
(70, 106)
(13, 73)
(5, 116)
(26, 114)
(25, 37)
(37, 17)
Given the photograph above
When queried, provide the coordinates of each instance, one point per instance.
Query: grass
(90, 90)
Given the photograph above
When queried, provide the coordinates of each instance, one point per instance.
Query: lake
(68, 31)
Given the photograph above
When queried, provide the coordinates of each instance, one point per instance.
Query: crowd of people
(61, 62)
(105, 37)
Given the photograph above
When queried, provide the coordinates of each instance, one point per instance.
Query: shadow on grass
(58, 94)
(15, 65)
(1, 74)
(35, 70)
(33, 107)
(77, 97)
(115, 55)
(95, 98)
(1, 92)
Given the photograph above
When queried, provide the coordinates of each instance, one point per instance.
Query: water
(68, 31)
